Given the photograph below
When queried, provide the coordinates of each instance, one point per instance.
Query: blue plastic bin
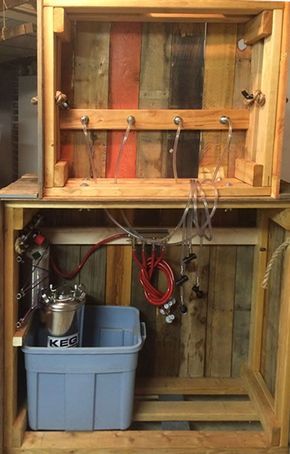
(90, 387)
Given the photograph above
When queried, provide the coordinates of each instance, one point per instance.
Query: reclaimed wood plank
(168, 352)
(186, 88)
(147, 119)
(220, 311)
(193, 328)
(219, 71)
(125, 51)
(118, 275)
(242, 307)
(147, 190)
(154, 94)
(91, 81)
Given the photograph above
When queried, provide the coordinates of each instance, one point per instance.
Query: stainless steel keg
(62, 313)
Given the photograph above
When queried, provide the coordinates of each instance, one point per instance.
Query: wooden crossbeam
(146, 190)
(190, 386)
(258, 28)
(205, 6)
(195, 411)
(142, 441)
(162, 17)
(163, 119)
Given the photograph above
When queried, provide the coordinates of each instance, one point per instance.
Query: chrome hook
(131, 120)
(179, 123)
(224, 120)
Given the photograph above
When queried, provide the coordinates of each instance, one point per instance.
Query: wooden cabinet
(227, 360)
(198, 360)
(156, 62)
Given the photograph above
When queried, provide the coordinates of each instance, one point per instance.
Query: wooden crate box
(156, 62)
(199, 359)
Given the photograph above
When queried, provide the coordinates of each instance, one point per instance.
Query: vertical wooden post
(10, 318)
(269, 86)
(49, 87)
(281, 106)
(256, 74)
(282, 389)
(258, 295)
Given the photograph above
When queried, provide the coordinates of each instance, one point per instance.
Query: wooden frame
(272, 410)
(255, 175)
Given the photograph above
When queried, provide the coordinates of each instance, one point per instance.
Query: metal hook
(131, 122)
(224, 120)
(179, 123)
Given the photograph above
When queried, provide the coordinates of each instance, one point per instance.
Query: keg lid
(63, 298)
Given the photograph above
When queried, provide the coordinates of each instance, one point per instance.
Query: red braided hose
(147, 268)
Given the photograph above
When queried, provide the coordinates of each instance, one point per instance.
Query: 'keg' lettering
(63, 342)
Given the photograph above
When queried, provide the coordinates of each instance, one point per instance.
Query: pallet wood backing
(204, 51)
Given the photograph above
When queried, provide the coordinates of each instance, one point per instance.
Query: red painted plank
(125, 51)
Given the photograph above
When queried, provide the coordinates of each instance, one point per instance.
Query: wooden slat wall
(154, 93)
(154, 65)
(87, 80)
(219, 80)
(211, 340)
(125, 48)
(272, 310)
(242, 307)
(186, 87)
(220, 311)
